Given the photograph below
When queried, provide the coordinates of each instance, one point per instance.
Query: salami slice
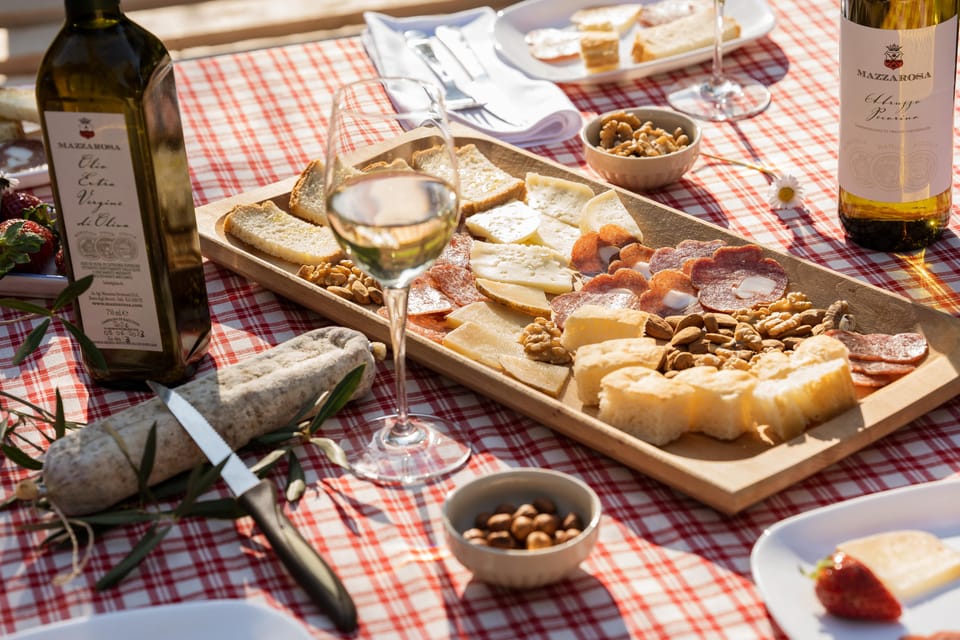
(670, 293)
(593, 251)
(456, 283)
(432, 326)
(457, 252)
(736, 278)
(634, 256)
(678, 257)
(872, 380)
(425, 298)
(881, 367)
(906, 348)
(621, 290)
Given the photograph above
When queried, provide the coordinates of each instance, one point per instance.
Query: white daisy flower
(785, 192)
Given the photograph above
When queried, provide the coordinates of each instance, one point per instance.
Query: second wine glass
(719, 96)
(392, 201)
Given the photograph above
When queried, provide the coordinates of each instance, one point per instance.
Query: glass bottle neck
(86, 10)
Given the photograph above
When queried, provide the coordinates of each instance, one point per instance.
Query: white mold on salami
(86, 471)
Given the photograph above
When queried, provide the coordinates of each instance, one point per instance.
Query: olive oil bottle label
(103, 227)
(896, 122)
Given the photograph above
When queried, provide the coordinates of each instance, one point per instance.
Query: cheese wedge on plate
(506, 224)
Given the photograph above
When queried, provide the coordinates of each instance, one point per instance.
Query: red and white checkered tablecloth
(665, 566)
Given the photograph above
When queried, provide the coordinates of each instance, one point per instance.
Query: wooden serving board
(728, 476)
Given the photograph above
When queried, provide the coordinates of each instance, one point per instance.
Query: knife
(259, 499)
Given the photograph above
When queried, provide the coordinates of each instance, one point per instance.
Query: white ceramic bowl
(521, 568)
(641, 173)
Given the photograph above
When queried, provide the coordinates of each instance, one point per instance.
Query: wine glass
(719, 96)
(392, 201)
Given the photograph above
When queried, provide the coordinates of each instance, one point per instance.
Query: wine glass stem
(717, 76)
(396, 301)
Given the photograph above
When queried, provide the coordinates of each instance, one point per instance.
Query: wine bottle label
(91, 156)
(896, 111)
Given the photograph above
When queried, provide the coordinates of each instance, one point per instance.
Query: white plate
(785, 552)
(208, 620)
(31, 285)
(513, 23)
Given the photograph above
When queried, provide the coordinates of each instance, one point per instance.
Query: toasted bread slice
(10, 130)
(306, 197)
(483, 185)
(277, 233)
(617, 17)
(18, 103)
(680, 36)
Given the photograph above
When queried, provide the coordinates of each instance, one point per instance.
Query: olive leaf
(20, 458)
(296, 480)
(140, 550)
(201, 478)
(340, 395)
(146, 460)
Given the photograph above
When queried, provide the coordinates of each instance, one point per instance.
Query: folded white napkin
(539, 111)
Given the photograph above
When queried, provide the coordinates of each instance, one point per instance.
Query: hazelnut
(525, 510)
(474, 533)
(499, 522)
(572, 521)
(505, 507)
(521, 527)
(501, 540)
(539, 540)
(547, 523)
(480, 522)
(545, 505)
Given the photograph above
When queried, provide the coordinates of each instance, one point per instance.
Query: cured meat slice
(736, 278)
(456, 283)
(670, 293)
(621, 290)
(457, 251)
(424, 298)
(872, 380)
(679, 256)
(881, 367)
(634, 256)
(593, 251)
(432, 326)
(906, 348)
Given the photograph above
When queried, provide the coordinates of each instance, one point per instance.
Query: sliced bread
(272, 230)
(306, 197)
(680, 36)
(483, 184)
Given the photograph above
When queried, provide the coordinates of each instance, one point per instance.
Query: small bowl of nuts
(643, 148)
(522, 528)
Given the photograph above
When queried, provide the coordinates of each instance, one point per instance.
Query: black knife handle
(303, 562)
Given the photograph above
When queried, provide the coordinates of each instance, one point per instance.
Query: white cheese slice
(508, 223)
(557, 197)
(531, 265)
(910, 563)
(557, 235)
(607, 208)
(482, 344)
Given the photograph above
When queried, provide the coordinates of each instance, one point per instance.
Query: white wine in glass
(392, 201)
(719, 96)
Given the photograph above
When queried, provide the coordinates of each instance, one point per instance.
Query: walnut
(541, 341)
(623, 134)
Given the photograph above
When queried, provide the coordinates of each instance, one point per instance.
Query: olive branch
(148, 506)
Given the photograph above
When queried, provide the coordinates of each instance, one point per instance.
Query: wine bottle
(897, 78)
(111, 127)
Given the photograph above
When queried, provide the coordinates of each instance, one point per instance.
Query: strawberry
(20, 204)
(25, 246)
(848, 588)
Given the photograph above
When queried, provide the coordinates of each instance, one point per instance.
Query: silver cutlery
(456, 98)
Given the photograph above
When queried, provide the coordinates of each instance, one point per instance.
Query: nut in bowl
(643, 148)
(506, 505)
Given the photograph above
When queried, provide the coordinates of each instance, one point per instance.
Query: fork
(456, 98)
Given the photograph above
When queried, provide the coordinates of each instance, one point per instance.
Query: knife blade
(259, 499)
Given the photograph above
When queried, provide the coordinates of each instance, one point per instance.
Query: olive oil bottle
(897, 79)
(111, 127)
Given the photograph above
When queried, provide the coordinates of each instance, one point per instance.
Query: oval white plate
(791, 548)
(207, 620)
(513, 23)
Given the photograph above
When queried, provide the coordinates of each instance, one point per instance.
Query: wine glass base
(425, 453)
(734, 98)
